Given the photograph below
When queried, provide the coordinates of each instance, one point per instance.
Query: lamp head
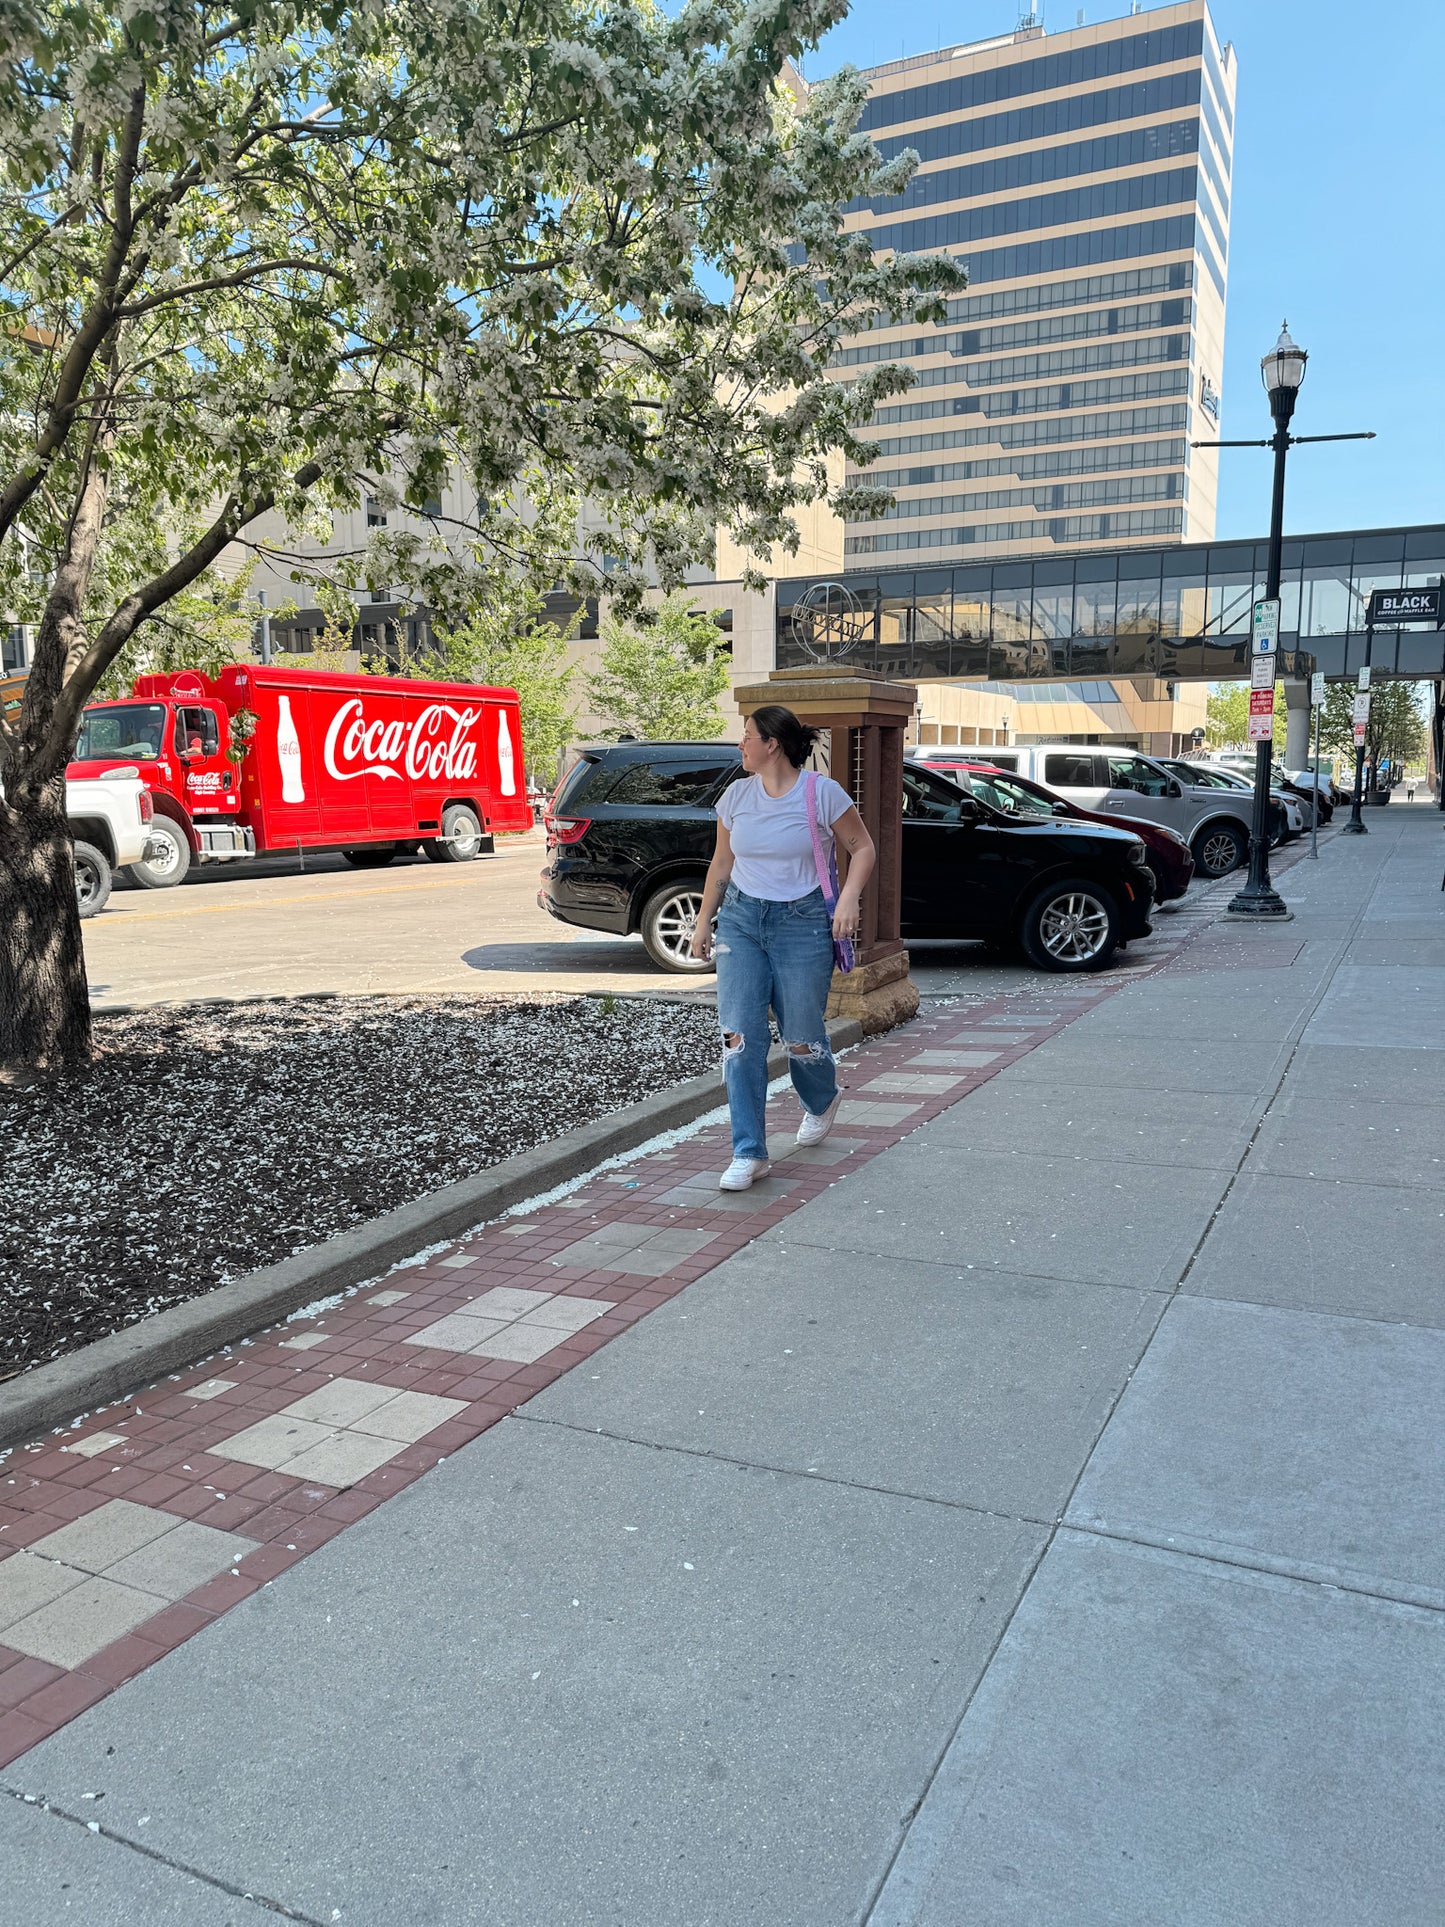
(1284, 366)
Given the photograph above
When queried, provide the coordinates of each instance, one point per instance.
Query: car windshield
(127, 732)
(1008, 797)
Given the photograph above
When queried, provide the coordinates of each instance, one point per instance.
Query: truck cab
(179, 741)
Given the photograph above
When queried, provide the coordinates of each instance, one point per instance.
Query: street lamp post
(1282, 370)
(1355, 827)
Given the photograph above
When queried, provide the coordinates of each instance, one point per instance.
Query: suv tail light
(566, 829)
(147, 806)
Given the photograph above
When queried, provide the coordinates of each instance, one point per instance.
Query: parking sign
(1266, 628)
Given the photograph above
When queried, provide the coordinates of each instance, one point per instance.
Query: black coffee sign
(1403, 605)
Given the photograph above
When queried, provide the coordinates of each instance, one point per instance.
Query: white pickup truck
(110, 822)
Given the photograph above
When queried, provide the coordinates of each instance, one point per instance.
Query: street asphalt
(276, 928)
(1039, 1526)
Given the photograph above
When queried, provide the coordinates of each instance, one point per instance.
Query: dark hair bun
(778, 725)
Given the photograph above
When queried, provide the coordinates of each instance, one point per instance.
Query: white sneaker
(743, 1173)
(814, 1129)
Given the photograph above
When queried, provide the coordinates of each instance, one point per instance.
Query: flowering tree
(253, 255)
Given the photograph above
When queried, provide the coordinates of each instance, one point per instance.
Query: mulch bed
(210, 1141)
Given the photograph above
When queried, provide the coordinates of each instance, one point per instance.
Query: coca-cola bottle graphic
(506, 762)
(288, 754)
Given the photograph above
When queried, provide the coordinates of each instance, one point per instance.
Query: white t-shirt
(771, 844)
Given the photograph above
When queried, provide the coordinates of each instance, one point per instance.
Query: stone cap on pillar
(829, 696)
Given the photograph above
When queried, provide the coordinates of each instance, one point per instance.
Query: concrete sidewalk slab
(1381, 949)
(1165, 1739)
(1303, 1445)
(567, 1679)
(1113, 1063)
(1359, 1142)
(1164, 1012)
(1324, 1245)
(57, 1871)
(1204, 1129)
(1383, 1007)
(978, 1388)
(1053, 1217)
(1407, 1077)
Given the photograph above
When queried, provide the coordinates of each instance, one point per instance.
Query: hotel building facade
(1083, 180)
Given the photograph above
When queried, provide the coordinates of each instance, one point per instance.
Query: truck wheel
(92, 879)
(1070, 927)
(668, 920)
(371, 856)
(171, 862)
(1220, 848)
(461, 837)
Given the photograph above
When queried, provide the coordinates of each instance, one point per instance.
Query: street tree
(1226, 715)
(262, 257)
(662, 673)
(510, 643)
(1396, 728)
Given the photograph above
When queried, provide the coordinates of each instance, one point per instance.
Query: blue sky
(1338, 223)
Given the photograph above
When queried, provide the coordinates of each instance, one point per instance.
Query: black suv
(631, 830)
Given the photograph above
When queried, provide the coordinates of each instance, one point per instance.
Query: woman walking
(774, 943)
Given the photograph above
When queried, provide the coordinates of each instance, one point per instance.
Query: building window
(375, 513)
(1010, 172)
(1063, 209)
(1161, 95)
(14, 655)
(1045, 75)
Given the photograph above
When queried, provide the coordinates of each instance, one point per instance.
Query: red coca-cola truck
(262, 759)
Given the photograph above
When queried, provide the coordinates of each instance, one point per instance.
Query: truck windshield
(128, 732)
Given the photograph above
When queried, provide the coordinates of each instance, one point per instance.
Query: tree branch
(89, 336)
(81, 681)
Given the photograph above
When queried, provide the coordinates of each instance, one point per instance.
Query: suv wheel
(668, 921)
(92, 879)
(1071, 926)
(1220, 848)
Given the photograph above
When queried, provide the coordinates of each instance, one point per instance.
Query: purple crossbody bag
(826, 864)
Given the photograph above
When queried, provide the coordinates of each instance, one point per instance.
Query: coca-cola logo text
(432, 748)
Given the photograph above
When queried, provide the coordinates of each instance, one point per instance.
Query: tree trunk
(44, 998)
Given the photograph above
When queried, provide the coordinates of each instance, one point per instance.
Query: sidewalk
(1026, 1510)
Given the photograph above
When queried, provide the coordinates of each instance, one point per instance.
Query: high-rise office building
(1083, 180)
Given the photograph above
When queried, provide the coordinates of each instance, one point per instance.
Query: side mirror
(1176, 788)
(1061, 809)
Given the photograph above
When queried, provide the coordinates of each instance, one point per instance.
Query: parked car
(1170, 858)
(1302, 785)
(1288, 816)
(1312, 782)
(1117, 782)
(631, 830)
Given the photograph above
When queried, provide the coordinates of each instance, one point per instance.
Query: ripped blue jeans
(778, 954)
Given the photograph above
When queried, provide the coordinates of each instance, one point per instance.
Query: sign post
(1392, 608)
(1361, 717)
(1317, 704)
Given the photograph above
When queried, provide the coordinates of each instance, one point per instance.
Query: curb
(111, 1368)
